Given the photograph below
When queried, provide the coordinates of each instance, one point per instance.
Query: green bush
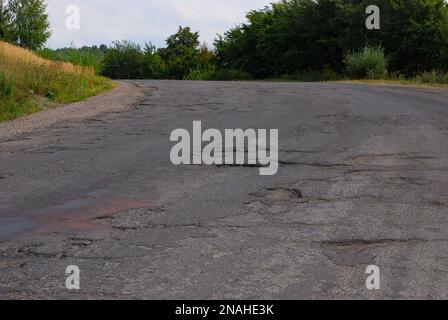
(368, 63)
(201, 73)
(124, 60)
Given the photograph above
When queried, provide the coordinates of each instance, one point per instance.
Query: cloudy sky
(103, 21)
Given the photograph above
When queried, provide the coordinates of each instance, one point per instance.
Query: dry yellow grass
(27, 79)
(21, 55)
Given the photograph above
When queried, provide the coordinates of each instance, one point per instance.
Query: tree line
(291, 38)
(299, 35)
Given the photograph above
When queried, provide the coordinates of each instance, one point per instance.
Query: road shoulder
(121, 98)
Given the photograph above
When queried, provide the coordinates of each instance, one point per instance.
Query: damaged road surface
(363, 180)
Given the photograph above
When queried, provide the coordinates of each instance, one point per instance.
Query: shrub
(123, 61)
(201, 73)
(368, 63)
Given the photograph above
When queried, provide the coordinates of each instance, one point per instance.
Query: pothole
(280, 194)
(80, 242)
(361, 244)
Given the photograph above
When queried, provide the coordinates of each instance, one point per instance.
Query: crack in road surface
(359, 184)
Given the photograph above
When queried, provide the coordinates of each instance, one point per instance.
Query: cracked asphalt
(363, 180)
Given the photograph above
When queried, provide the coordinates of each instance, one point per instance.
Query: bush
(201, 73)
(124, 60)
(369, 63)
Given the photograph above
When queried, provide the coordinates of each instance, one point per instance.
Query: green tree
(29, 23)
(4, 21)
(181, 53)
(153, 67)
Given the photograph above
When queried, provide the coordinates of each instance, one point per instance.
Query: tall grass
(368, 63)
(87, 56)
(433, 77)
(211, 73)
(24, 77)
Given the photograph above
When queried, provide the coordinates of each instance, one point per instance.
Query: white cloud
(103, 21)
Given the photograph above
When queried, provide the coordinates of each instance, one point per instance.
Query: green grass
(28, 83)
(87, 57)
(427, 79)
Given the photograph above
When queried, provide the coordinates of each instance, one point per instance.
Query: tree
(29, 23)
(4, 21)
(152, 64)
(181, 53)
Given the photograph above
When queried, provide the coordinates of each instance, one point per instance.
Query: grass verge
(408, 83)
(29, 83)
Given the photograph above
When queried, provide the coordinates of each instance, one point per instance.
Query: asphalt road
(363, 180)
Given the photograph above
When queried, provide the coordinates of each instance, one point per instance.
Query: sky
(104, 21)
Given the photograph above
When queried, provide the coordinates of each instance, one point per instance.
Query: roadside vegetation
(296, 38)
(303, 40)
(85, 56)
(183, 57)
(29, 83)
(291, 40)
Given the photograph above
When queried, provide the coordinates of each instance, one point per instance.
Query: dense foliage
(182, 54)
(310, 40)
(300, 35)
(24, 22)
(124, 61)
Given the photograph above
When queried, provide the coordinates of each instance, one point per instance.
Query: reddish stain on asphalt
(80, 214)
